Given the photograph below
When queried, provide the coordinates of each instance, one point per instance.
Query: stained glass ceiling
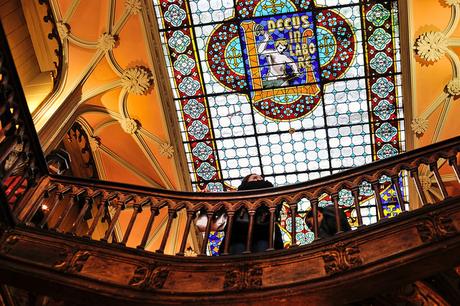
(293, 90)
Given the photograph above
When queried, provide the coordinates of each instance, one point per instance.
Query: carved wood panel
(342, 257)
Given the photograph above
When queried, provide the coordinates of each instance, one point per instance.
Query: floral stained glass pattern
(293, 89)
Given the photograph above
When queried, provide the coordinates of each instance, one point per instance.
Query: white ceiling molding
(432, 46)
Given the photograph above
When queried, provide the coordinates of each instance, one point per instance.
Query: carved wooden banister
(21, 159)
(55, 190)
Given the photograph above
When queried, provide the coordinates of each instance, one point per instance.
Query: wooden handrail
(21, 158)
(130, 196)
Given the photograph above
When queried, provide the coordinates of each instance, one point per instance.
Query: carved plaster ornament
(63, 29)
(129, 125)
(431, 46)
(453, 87)
(94, 143)
(106, 42)
(425, 181)
(137, 80)
(166, 150)
(133, 6)
(452, 2)
(419, 125)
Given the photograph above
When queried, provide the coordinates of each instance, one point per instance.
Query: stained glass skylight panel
(291, 89)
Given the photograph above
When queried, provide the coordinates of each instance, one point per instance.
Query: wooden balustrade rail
(61, 195)
(21, 159)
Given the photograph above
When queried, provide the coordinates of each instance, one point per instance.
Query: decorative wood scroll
(341, 257)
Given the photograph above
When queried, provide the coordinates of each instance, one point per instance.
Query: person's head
(254, 181)
(281, 45)
(310, 218)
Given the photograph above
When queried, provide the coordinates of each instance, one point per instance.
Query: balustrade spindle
(153, 212)
(271, 235)
(293, 224)
(228, 232)
(33, 210)
(59, 197)
(454, 165)
(136, 210)
(314, 207)
(437, 175)
(335, 200)
(119, 208)
(172, 214)
(355, 192)
(399, 196)
(76, 224)
(418, 185)
(54, 206)
(62, 217)
(103, 204)
(250, 230)
(378, 200)
(209, 216)
(190, 218)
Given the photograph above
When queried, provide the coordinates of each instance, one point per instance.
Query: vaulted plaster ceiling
(112, 85)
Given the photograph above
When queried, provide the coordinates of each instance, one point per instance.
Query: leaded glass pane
(291, 89)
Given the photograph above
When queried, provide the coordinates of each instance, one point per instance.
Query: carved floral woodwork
(435, 228)
(150, 278)
(341, 257)
(80, 147)
(243, 277)
(78, 261)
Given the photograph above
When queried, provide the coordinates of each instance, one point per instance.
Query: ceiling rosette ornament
(419, 126)
(106, 42)
(133, 6)
(129, 125)
(137, 80)
(452, 2)
(453, 87)
(166, 150)
(431, 46)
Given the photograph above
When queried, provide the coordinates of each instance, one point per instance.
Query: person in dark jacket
(261, 227)
(327, 223)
